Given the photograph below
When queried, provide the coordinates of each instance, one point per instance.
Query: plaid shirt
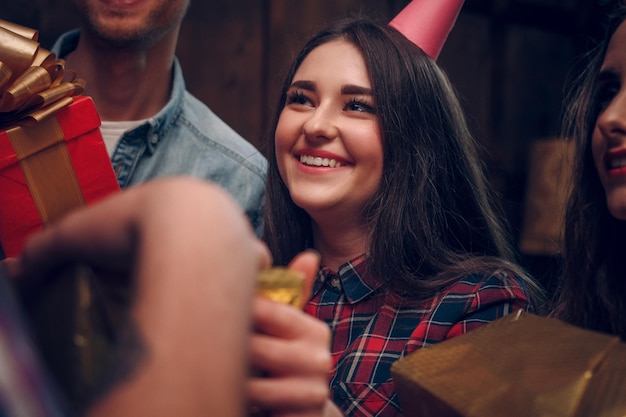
(372, 331)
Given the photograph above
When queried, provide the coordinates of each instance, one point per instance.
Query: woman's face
(328, 142)
(609, 136)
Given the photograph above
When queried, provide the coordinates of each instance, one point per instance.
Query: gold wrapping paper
(519, 366)
(32, 80)
(282, 285)
(37, 148)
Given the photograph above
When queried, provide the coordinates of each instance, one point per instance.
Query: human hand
(191, 256)
(292, 351)
(150, 222)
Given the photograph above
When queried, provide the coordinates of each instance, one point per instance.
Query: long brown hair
(592, 288)
(432, 218)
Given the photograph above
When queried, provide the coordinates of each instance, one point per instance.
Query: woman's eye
(359, 106)
(297, 97)
(604, 95)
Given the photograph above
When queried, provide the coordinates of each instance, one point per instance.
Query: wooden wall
(233, 53)
(508, 59)
(247, 46)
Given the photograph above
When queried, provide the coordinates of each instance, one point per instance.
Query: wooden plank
(221, 51)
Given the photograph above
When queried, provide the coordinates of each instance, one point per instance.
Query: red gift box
(50, 168)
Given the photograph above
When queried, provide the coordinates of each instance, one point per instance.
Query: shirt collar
(355, 282)
(164, 120)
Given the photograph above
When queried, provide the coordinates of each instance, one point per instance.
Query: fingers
(161, 218)
(193, 257)
(196, 268)
(288, 394)
(286, 338)
(292, 349)
(283, 321)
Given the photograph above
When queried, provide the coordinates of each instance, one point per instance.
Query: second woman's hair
(592, 289)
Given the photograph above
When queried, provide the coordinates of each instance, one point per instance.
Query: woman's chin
(617, 208)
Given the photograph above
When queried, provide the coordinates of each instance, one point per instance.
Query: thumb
(306, 263)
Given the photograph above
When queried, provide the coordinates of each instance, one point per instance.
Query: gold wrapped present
(521, 365)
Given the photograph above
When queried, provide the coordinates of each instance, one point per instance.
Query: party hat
(427, 23)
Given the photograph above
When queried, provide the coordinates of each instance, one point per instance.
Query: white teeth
(618, 163)
(319, 162)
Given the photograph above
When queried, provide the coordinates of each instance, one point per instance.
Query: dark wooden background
(509, 60)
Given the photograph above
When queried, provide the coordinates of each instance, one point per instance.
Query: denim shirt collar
(155, 127)
(159, 124)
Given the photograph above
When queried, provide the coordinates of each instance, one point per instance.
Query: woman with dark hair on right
(592, 291)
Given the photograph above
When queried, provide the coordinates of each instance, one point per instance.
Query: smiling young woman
(373, 166)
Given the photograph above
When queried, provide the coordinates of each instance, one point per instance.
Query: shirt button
(335, 282)
(154, 139)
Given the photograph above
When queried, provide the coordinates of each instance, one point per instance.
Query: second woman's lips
(615, 159)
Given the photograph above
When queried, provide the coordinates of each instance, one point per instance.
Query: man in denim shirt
(152, 126)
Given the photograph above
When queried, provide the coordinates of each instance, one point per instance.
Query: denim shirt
(186, 138)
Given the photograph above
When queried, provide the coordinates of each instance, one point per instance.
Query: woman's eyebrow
(303, 84)
(356, 89)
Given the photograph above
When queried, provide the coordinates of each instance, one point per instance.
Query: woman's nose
(322, 124)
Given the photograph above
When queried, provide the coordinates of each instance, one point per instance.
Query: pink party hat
(427, 23)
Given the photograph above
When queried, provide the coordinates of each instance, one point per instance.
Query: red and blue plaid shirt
(371, 330)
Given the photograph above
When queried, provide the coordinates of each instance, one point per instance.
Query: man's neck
(124, 84)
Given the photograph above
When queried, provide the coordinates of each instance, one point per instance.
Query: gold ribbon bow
(33, 82)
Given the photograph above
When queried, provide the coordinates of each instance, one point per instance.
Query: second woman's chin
(616, 203)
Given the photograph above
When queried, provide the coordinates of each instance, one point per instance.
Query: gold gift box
(521, 365)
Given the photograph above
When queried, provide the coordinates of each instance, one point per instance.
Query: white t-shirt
(113, 131)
